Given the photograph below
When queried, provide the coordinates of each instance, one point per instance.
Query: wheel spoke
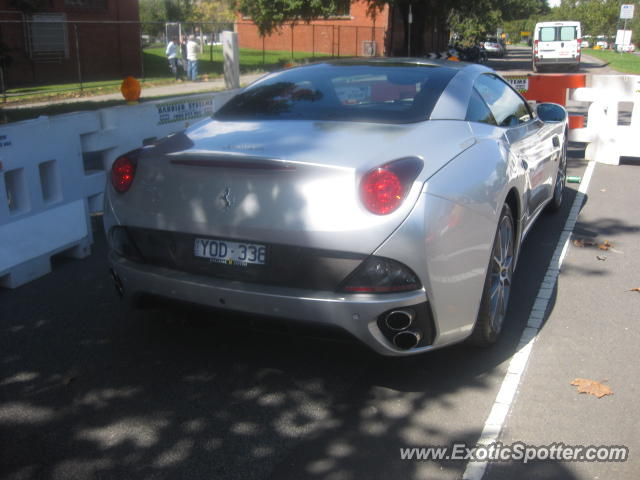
(498, 311)
(494, 303)
(495, 289)
(506, 237)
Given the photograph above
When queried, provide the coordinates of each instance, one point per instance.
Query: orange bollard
(576, 121)
(131, 89)
(553, 87)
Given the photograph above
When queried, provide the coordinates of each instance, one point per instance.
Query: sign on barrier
(49, 188)
(184, 110)
(519, 82)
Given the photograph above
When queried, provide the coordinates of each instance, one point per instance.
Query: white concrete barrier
(53, 171)
(607, 139)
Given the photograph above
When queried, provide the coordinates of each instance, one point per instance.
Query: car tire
(497, 284)
(561, 177)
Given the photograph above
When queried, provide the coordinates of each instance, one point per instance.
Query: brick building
(67, 40)
(353, 32)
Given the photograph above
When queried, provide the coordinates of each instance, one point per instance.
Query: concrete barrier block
(26, 245)
(53, 171)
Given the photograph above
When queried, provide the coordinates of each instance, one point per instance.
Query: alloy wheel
(501, 273)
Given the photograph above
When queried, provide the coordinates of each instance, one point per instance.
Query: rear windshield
(558, 34)
(384, 93)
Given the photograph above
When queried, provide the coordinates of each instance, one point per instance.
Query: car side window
(508, 108)
(478, 110)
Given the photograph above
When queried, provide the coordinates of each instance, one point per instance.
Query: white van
(557, 43)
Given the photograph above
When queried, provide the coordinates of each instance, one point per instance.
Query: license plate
(230, 253)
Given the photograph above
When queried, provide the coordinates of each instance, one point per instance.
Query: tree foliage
(269, 15)
(154, 13)
(598, 17)
(213, 11)
(473, 18)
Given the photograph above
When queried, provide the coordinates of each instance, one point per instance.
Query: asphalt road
(90, 390)
(518, 62)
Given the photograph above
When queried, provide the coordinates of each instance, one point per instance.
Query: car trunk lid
(248, 181)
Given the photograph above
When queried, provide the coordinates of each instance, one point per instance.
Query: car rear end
(493, 47)
(239, 216)
(557, 44)
(286, 238)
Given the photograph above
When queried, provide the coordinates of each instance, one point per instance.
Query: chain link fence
(48, 53)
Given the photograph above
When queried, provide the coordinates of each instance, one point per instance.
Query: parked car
(493, 47)
(629, 48)
(556, 44)
(380, 196)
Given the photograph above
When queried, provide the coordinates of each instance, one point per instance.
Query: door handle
(556, 141)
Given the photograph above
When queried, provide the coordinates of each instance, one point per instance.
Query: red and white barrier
(53, 171)
(607, 139)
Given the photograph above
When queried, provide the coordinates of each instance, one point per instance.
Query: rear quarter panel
(448, 237)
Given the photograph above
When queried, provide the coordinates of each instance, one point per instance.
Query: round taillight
(381, 191)
(122, 173)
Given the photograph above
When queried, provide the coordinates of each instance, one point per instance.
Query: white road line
(494, 423)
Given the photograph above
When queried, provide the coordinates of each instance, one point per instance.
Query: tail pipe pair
(401, 322)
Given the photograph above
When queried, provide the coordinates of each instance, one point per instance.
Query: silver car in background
(493, 47)
(387, 197)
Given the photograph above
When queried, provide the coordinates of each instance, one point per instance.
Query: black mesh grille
(286, 265)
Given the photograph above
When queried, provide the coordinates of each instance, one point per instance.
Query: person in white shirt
(192, 58)
(172, 56)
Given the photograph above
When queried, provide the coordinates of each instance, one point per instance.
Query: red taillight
(535, 47)
(381, 191)
(122, 173)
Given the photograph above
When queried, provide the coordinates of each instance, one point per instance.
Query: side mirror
(551, 112)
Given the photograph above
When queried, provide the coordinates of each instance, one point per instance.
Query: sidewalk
(177, 89)
(591, 331)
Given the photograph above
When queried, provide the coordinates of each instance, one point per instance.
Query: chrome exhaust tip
(399, 320)
(407, 339)
(117, 283)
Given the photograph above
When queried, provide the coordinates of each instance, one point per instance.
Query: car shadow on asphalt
(91, 390)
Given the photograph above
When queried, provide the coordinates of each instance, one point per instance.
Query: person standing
(172, 56)
(192, 57)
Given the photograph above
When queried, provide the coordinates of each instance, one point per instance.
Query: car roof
(568, 23)
(395, 61)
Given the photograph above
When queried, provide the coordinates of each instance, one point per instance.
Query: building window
(88, 4)
(48, 38)
(343, 8)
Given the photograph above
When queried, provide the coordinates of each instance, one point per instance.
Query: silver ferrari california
(386, 197)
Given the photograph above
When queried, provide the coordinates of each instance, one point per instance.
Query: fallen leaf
(603, 190)
(637, 289)
(601, 257)
(581, 242)
(605, 246)
(591, 387)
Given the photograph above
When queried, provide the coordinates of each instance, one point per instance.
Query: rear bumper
(359, 314)
(557, 61)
